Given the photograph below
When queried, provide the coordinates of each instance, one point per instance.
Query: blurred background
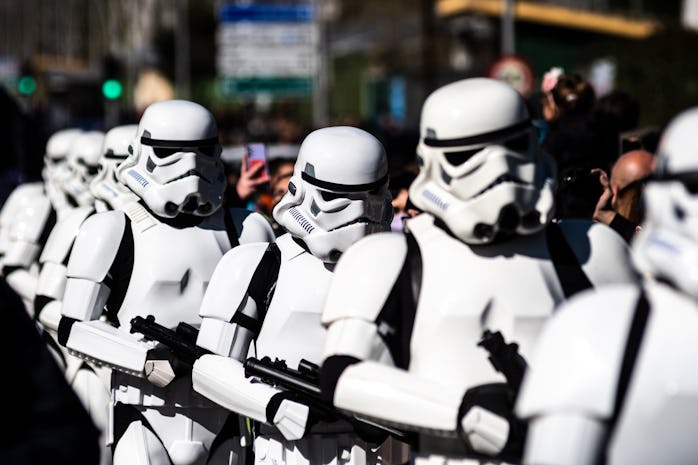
(271, 71)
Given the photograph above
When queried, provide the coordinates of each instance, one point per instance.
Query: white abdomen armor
(463, 293)
(292, 329)
(169, 276)
(598, 344)
(659, 417)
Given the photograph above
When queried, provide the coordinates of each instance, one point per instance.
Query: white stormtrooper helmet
(482, 175)
(667, 245)
(175, 165)
(55, 160)
(105, 186)
(338, 192)
(83, 162)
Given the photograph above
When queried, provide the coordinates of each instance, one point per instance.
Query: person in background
(244, 185)
(620, 205)
(566, 108)
(280, 172)
(399, 191)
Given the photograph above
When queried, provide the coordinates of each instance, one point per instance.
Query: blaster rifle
(182, 341)
(505, 358)
(304, 383)
(305, 380)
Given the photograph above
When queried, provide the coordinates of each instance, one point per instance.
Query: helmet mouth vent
(484, 231)
(509, 219)
(191, 204)
(170, 208)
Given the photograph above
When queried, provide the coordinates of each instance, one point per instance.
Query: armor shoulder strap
(396, 319)
(632, 348)
(569, 271)
(230, 229)
(263, 282)
(141, 218)
(119, 275)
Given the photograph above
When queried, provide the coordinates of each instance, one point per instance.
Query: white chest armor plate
(510, 287)
(292, 329)
(171, 270)
(660, 414)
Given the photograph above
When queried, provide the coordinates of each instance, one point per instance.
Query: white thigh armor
(431, 298)
(291, 330)
(611, 381)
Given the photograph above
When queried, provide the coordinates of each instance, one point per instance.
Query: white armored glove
(485, 432)
(162, 367)
(291, 418)
(487, 424)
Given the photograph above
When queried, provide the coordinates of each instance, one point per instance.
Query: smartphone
(257, 155)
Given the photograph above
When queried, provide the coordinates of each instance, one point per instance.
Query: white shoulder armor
(25, 232)
(364, 277)
(96, 246)
(251, 226)
(30, 222)
(577, 360)
(230, 281)
(18, 199)
(603, 254)
(63, 235)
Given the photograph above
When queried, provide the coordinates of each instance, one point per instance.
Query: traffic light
(112, 87)
(26, 85)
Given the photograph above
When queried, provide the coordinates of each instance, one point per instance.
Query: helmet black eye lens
(458, 158)
(327, 196)
(163, 152)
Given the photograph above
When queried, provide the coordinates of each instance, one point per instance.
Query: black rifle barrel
(285, 377)
(182, 349)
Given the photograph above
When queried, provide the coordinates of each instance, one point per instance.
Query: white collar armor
(481, 174)
(174, 165)
(338, 192)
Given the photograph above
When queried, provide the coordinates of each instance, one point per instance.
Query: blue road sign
(266, 13)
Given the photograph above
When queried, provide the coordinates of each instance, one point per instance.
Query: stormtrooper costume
(155, 256)
(29, 215)
(92, 153)
(481, 257)
(267, 301)
(613, 381)
(82, 165)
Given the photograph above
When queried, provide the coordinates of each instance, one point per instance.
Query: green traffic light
(26, 85)
(112, 89)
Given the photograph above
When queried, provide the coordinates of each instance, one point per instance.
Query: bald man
(623, 192)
